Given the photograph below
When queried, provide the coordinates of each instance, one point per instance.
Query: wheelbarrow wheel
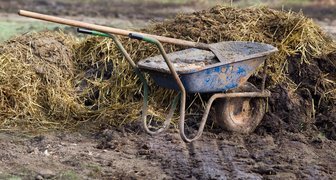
(239, 114)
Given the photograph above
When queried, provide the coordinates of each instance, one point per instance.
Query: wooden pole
(109, 29)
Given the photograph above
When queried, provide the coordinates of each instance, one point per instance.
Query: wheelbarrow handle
(85, 31)
(141, 77)
(142, 38)
(143, 80)
(91, 32)
(136, 36)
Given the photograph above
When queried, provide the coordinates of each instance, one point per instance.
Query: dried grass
(36, 89)
(50, 80)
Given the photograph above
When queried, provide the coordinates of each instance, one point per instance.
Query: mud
(311, 96)
(130, 154)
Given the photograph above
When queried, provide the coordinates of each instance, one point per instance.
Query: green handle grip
(91, 32)
(143, 38)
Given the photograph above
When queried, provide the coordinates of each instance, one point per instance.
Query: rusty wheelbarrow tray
(201, 72)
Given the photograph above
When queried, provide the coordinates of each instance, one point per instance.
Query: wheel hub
(240, 110)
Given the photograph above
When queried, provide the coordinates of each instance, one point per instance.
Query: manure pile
(53, 80)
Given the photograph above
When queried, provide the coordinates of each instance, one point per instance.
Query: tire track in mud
(208, 163)
(221, 156)
(223, 159)
(232, 156)
(206, 158)
(166, 156)
(171, 154)
(237, 158)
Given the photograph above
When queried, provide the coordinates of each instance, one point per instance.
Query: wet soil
(130, 154)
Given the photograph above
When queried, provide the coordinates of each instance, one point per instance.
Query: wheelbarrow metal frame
(263, 94)
(182, 95)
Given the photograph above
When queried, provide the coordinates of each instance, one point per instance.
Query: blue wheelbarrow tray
(201, 72)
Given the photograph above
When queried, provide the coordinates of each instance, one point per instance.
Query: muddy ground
(131, 154)
(276, 150)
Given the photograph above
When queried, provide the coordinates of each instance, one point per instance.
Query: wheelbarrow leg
(167, 121)
(208, 107)
(183, 97)
(264, 76)
(146, 126)
(181, 88)
(143, 80)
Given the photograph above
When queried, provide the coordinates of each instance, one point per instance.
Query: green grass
(13, 28)
(9, 177)
(95, 170)
(70, 175)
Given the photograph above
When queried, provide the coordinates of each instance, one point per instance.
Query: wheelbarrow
(222, 70)
(240, 106)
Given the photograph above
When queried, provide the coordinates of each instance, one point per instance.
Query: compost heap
(52, 80)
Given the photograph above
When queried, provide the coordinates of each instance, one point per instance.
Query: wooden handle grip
(108, 29)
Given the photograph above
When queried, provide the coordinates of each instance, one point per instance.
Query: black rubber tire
(240, 115)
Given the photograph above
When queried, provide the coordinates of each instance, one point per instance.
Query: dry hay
(81, 88)
(36, 89)
(120, 95)
(292, 33)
